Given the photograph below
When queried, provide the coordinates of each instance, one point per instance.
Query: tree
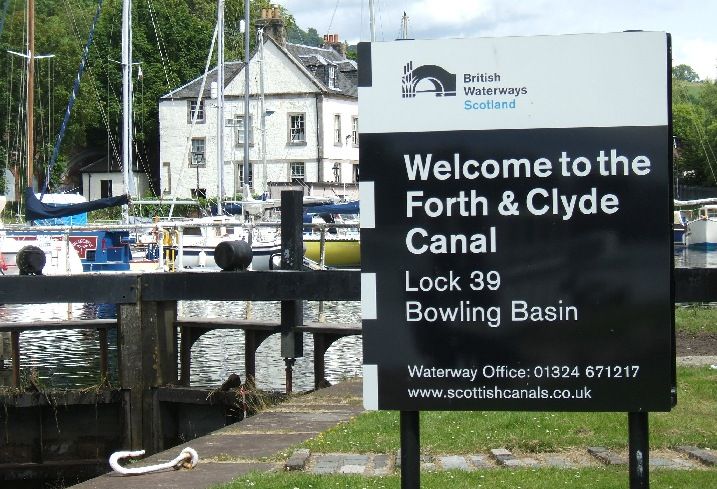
(685, 73)
(171, 40)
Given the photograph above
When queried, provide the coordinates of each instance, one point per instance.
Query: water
(695, 258)
(70, 358)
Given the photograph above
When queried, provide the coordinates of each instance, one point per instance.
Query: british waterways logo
(427, 79)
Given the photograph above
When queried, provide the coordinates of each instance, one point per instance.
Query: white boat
(191, 243)
(61, 258)
(679, 227)
(702, 232)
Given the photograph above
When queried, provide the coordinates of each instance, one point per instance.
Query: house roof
(317, 58)
(99, 165)
(191, 89)
(313, 60)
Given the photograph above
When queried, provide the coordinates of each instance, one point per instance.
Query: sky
(692, 23)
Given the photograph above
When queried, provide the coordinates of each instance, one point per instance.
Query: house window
(356, 173)
(192, 108)
(198, 157)
(241, 175)
(238, 124)
(105, 188)
(166, 178)
(199, 193)
(354, 131)
(298, 173)
(337, 172)
(337, 129)
(297, 129)
(331, 75)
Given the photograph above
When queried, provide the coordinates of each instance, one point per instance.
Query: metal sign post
(410, 450)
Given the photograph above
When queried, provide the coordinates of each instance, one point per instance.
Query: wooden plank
(277, 285)
(54, 325)
(87, 287)
(221, 323)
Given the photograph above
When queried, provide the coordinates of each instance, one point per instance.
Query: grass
(696, 319)
(597, 478)
(692, 422)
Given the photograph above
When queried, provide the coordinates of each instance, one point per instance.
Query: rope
(160, 44)
(187, 459)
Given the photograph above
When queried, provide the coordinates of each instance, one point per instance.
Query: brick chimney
(332, 40)
(273, 24)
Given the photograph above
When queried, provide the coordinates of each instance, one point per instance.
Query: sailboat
(98, 250)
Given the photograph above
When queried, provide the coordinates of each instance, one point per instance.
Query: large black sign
(519, 261)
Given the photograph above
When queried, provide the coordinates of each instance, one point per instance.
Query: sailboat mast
(262, 110)
(245, 183)
(30, 91)
(220, 105)
(127, 100)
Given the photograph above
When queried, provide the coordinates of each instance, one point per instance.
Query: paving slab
(501, 455)
(352, 469)
(298, 459)
(480, 461)
(669, 463)
(454, 462)
(381, 464)
(606, 456)
(521, 462)
(707, 457)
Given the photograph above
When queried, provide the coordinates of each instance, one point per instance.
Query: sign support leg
(639, 450)
(410, 450)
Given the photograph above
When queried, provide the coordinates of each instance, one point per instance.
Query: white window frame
(191, 107)
(331, 76)
(238, 124)
(194, 155)
(296, 134)
(297, 172)
(240, 174)
(167, 178)
(337, 130)
(354, 131)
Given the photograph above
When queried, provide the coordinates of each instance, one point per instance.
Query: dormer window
(331, 74)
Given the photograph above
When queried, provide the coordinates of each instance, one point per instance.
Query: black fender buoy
(233, 255)
(30, 260)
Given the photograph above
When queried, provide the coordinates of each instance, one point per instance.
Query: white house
(310, 119)
(101, 179)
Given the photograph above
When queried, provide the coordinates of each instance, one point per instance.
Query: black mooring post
(292, 256)
(410, 450)
(639, 450)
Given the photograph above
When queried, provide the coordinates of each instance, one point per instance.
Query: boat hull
(702, 233)
(338, 252)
